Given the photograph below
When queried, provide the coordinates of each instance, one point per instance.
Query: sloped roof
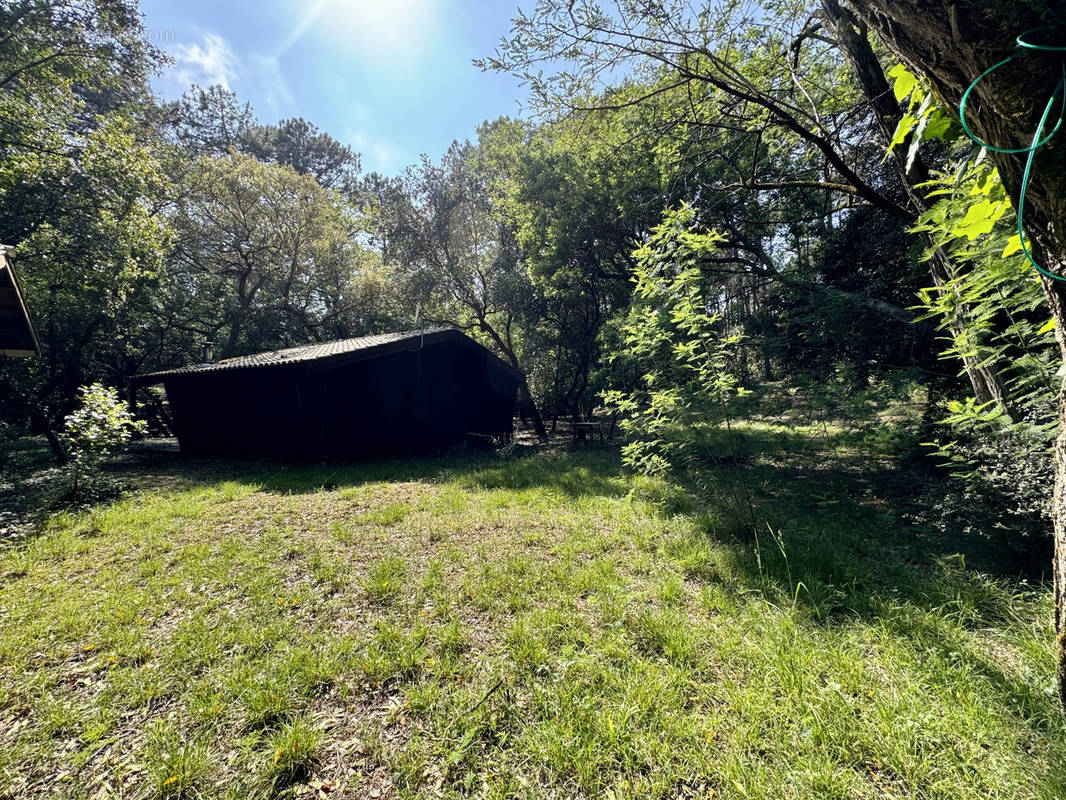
(17, 337)
(327, 353)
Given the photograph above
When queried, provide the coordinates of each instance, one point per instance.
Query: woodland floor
(541, 625)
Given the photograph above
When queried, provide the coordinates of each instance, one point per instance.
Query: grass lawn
(542, 626)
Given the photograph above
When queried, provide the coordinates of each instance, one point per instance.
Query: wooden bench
(587, 427)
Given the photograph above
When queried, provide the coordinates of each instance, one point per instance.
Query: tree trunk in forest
(524, 393)
(852, 36)
(534, 412)
(60, 452)
(951, 42)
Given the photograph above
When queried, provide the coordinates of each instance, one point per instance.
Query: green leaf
(906, 125)
(905, 81)
(941, 126)
(987, 183)
(1014, 244)
(980, 218)
(916, 140)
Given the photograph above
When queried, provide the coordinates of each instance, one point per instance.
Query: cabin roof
(17, 337)
(325, 355)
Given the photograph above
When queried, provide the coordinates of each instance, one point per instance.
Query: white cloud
(210, 62)
(213, 60)
(379, 154)
(265, 73)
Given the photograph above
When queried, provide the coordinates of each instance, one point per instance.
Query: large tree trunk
(951, 42)
(981, 366)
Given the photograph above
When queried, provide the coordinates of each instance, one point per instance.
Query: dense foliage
(707, 199)
(681, 351)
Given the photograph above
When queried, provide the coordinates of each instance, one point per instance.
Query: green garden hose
(1060, 94)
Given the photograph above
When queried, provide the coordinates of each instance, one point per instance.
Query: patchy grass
(542, 626)
(295, 747)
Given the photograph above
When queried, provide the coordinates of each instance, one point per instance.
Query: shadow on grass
(853, 541)
(877, 527)
(579, 471)
(858, 525)
(848, 539)
(898, 548)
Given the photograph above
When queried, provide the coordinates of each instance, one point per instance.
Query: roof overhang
(17, 337)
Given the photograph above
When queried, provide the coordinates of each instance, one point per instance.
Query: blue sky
(392, 78)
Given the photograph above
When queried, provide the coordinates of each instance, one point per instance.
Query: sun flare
(371, 28)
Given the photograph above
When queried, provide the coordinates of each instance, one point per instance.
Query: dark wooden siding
(409, 402)
(16, 331)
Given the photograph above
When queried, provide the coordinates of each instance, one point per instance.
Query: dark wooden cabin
(17, 337)
(392, 394)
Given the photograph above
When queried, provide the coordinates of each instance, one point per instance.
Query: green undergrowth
(540, 626)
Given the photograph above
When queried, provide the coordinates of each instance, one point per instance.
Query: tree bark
(524, 393)
(951, 42)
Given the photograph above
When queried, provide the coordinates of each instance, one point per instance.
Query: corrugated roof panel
(296, 355)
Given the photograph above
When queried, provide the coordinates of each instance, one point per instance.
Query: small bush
(102, 427)
(1011, 468)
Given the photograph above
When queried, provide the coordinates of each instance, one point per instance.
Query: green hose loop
(992, 147)
(1052, 48)
(1023, 41)
(1025, 184)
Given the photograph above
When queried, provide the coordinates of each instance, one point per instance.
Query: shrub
(684, 354)
(102, 427)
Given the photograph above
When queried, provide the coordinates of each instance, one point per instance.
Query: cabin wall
(244, 413)
(367, 409)
(405, 403)
(16, 331)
